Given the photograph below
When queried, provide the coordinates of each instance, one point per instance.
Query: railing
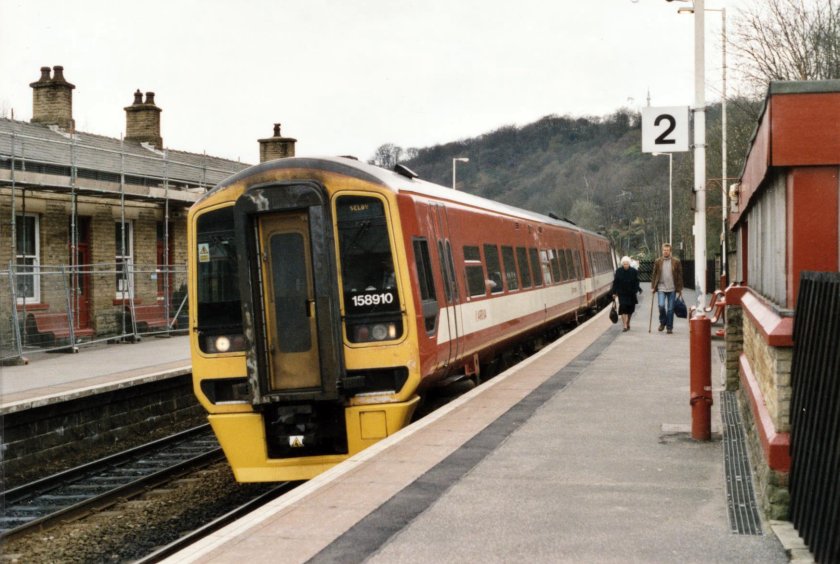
(815, 415)
(51, 308)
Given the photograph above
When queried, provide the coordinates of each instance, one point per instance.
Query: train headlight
(379, 332)
(376, 332)
(217, 344)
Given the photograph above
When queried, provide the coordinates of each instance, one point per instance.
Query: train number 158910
(367, 300)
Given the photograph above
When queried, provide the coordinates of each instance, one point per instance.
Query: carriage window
(494, 268)
(451, 269)
(535, 266)
(555, 265)
(524, 270)
(564, 265)
(570, 264)
(426, 282)
(578, 267)
(546, 268)
(474, 272)
(510, 268)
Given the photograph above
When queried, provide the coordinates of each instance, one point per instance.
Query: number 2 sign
(665, 130)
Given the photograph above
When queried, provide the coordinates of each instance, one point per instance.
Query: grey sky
(345, 76)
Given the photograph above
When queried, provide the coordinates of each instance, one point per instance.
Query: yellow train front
(309, 339)
(296, 376)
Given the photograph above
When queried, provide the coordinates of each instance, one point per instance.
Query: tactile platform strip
(743, 512)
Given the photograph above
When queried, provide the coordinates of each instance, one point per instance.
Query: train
(328, 296)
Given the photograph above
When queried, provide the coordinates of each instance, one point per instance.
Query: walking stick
(650, 323)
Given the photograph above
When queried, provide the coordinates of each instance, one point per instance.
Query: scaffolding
(40, 160)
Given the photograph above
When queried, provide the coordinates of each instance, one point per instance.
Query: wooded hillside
(591, 170)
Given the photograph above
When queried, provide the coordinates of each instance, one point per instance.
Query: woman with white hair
(625, 287)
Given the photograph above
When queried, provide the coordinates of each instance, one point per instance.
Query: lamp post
(723, 170)
(699, 110)
(670, 194)
(455, 162)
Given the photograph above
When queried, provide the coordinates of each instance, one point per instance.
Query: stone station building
(93, 228)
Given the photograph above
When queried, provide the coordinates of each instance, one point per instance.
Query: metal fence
(51, 308)
(815, 415)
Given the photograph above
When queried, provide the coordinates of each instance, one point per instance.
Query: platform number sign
(665, 130)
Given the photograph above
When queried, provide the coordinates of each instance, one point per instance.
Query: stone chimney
(142, 120)
(276, 147)
(52, 99)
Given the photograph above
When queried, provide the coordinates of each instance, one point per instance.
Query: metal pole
(15, 316)
(699, 153)
(454, 162)
(723, 179)
(671, 198)
(14, 215)
(124, 273)
(73, 303)
(166, 304)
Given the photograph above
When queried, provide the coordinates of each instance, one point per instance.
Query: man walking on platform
(667, 279)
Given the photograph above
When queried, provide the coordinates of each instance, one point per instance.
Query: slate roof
(44, 145)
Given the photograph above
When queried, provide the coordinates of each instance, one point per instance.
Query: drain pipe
(700, 332)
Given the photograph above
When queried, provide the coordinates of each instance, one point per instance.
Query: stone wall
(771, 366)
(47, 439)
(771, 486)
(734, 342)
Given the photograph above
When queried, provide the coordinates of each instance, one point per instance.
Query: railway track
(195, 535)
(101, 483)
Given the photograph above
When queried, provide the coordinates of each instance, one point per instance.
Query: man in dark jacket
(667, 279)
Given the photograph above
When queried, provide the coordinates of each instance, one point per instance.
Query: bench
(47, 329)
(150, 317)
(718, 304)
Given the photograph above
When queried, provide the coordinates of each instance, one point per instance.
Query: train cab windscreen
(371, 300)
(219, 314)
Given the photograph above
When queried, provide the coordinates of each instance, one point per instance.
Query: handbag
(679, 308)
(613, 314)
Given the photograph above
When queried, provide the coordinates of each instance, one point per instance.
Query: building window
(124, 259)
(27, 259)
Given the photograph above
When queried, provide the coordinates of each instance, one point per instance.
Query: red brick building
(785, 214)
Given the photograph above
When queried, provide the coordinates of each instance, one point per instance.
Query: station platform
(56, 377)
(581, 453)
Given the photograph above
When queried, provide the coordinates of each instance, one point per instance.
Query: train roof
(397, 182)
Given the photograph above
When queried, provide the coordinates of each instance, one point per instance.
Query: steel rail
(105, 481)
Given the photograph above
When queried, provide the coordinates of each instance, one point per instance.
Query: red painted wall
(812, 210)
(805, 129)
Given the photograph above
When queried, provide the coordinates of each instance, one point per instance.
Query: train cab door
(289, 294)
(287, 273)
(450, 319)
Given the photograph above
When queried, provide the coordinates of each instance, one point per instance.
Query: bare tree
(387, 156)
(788, 40)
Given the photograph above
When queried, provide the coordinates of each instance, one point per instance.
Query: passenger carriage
(327, 296)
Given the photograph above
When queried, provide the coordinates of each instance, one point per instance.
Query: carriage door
(450, 314)
(291, 328)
